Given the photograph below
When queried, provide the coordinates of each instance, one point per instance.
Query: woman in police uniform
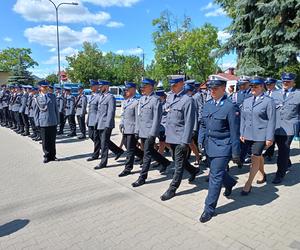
(257, 128)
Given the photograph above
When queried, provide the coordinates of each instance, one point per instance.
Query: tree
(20, 75)
(9, 58)
(91, 63)
(266, 35)
(52, 78)
(179, 49)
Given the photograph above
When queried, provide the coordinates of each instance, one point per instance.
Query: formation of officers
(204, 119)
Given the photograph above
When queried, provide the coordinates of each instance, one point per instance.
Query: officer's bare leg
(256, 161)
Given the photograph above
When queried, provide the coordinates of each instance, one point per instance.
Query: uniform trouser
(132, 150)
(1, 115)
(32, 125)
(62, 122)
(270, 151)
(12, 118)
(104, 135)
(38, 131)
(94, 136)
(283, 143)
(180, 154)
(81, 123)
(25, 121)
(5, 115)
(48, 135)
(217, 176)
(150, 152)
(72, 123)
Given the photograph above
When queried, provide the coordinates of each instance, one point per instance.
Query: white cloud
(46, 35)
(133, 51)
(38, 11)
(216, 12)
(110, 3)
(229, 64)
(7, 39)
(114, 24)
(69, 51)
(223, 35)
(209, 6)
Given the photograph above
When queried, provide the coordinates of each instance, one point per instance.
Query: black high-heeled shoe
(245, 193)
(264, 179)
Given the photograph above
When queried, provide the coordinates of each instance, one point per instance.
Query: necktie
(269, 93)
(254, 99)
(285, 94)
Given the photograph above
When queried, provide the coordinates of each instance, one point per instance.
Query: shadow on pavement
(75, 157)
(12, 227)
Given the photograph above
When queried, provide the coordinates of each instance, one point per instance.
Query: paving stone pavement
(69, 205)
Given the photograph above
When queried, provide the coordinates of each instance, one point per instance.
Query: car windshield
(114, 91)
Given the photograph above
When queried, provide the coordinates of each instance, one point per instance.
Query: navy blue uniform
(219, 135)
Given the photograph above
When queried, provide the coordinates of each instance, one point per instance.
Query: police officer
(5, 103)
(105, 121)
(179, 130)
(257, 128)
(61, 103)
(30, 105)
(16, 107)
(35, 113)
(92, 119)
(219, 135)
(147, 128)
(12, 122)
(1, 107)
(270, 86)
(80, 106)
(287, 103)
(70, 111)
(47, 115)
(127, 127)
(24, 110)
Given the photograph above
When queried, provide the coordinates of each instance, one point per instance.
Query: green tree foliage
(9, 58)
(52, 78)
(91, 63)
(265, 35)
(20, 74)
(181, 49)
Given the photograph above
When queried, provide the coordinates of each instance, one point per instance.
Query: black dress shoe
(92, 159)
(59, 133)
(205, 217)
(264, 179)
(163, 168)
(245, 193)
(140, 181)
(268, 158)
(193, 176)
(81, 137)
(169, 194)
(118, 155)
(98, 167)
(248, 160)
(125, 173)
(46, 160)
(71, 135)
(228, 190)
(277, 180)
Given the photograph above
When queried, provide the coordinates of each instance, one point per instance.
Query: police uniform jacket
(129, 115)
(240, 96)
(5, 99)
(81, 104)
(16, 102)
(70, 105)
(149, 116)
(28, 103)
(287, 112)
(60, 100)
(181, 118)
(47, 111)
(23, 103)
(93, 107)
(219, 129)
(106, 111)
(258, 118)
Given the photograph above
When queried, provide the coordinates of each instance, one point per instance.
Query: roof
(228, 77)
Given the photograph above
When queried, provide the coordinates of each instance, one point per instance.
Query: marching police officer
(127, 127)
(70, 111)
(219, 135)
(5, 104)
(80, 106)
(47, 115)
(61, 102)
(257, 128)
(270, 85)
(287, 103)
(179, 130)
(147, 128)
(16, 107)
(105, 121)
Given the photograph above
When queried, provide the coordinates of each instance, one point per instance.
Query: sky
(120, 26)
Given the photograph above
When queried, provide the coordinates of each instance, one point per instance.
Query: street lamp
(57, 33)
(143, 54)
